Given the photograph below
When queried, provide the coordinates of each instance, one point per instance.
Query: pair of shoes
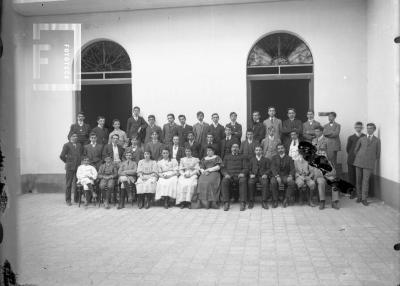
(146, 203)
(226, 206)
(69, 203)
(322, 205)
(285, 203)
(274, 204)
(358, 200)
(242, 206)
(335, 205)
(251, 205)
(364, 202)
(264, 205)
(120, 207)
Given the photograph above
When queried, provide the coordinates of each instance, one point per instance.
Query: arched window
(105, 60)
(280, 53)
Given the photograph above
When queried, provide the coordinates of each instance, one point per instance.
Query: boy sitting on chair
(127, 178)
(86, 174)
(107, 174)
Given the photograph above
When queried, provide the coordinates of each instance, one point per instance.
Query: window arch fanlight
(105, 59)
(280, 53)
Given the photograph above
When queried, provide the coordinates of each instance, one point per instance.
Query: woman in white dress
(189, 170)
(147, 180)
(168, 178)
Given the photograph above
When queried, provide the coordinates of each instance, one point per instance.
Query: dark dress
(208, 189)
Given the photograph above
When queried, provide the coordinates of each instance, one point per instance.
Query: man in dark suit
(170, 129)
(248, 146)
(258, 127)
(193, 145)
(93, 151)
(309, 127)
(350, 146)
(368, 151)
(201, 129)
(100, 131)
(216, 129)
(259, 171)
(234, 170)
(209, 142)
(152, 127)
(226, 144)
(81, 129)
(183, 130)
(175, 150)
(289, 125)
(282, 167)
(114, 150)
(136, 125)
(235, 127)
(71, 155)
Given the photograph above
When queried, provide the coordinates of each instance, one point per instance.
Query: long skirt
(166, 187)
(208, 187)
(146, 186)
(186, 189)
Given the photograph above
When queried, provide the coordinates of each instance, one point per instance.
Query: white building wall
(190, 59)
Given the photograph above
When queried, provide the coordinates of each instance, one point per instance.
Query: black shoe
(146, 203)
(226, 206)
(364, 202)
(358, 200)
(352, 194)
(311, 204)
(242, 206)
(166, 205)
(285, 203)
(69, 204)
(335, 205)
(275, 204)
(189, 205)
(251, 205)
(182, 205)
(264, 205)
(322, 205)
(208, 205)
(140, 203)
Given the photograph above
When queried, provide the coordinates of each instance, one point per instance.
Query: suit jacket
(71, 156)
(277, 124)
(203, 151)
(367, 152)
(110, 170)
(322, 145)
(247, 149)
(291, 125)
(151, 129)
(132, 127)
(183, 133)
(200, 132)
(195, 148)
(218, 132)
(180, 154)
(282, 166)
(95, 154)
(332, 134)
(269, 146)
(233, 165)
(169, 131)
(82, 132)
(101, 134)
(137, 155)
(259, 131)
(236, 130)
(108, 151)
(260, 168)
(351, 146)
(226, 146)
(308, 130)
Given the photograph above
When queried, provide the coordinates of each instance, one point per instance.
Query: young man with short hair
(152, 127)
(93, 151)
(194, 147)
(320, 142)
(114, 150)
(269, 143)
(107, 174)
(259, 171)
(136, 125)
(249, 145)
(122, 138)
(368, 151)
(81, 129)
(257, 127)
(350, 146)
(101, 131)
(183, 130)
(200, 129)
(227, 142)
(170, 129)
(289, 125)
(276, 123)
(216, 129)
(309, 127)
(331, 133)
(236, 128)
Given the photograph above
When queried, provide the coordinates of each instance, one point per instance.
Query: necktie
(272, 120)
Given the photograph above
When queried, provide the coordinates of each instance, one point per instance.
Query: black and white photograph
(200, 142)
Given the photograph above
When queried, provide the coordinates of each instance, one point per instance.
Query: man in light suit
(320, 142)
(274, 122)
(368, 151)
(200, 129)
(269, 144)
(331, 132)
(289, 125)
(309, 127)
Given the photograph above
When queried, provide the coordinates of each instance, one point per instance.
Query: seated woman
(154, 147)
(208, 190)
(135, 149)
(147, 180)
(168, 178)
(86, 174)
(107, 174)
(127, 178)
(189, 169)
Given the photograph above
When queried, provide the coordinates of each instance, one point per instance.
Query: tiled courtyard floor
(299, 245)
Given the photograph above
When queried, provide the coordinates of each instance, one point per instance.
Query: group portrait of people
(209, 166)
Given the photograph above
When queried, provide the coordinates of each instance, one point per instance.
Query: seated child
(107, 174)
(86, 174)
